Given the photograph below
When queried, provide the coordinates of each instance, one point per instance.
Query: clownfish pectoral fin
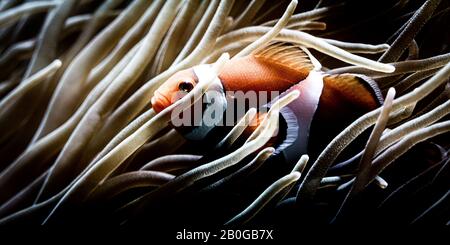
(289, 55)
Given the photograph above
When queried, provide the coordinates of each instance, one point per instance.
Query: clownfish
(275, 68)
(328, 100)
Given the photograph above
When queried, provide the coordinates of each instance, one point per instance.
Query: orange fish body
(329, 102)
(253, 73)
(274, 69)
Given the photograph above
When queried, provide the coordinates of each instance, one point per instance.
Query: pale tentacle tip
(57, 63)
(252, 111)
(224, 58)
(291, 96)
(391, 92)
(389, 68)
(295, 175)
(383, 184)
(385, 46)
(268, 151)
(301, 163)
(295, 93)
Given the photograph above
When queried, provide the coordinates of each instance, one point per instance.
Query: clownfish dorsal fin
(288, 54)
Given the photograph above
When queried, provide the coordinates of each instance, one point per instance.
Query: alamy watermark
(216, 108)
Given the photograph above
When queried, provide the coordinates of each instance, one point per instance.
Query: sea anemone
(80, 141)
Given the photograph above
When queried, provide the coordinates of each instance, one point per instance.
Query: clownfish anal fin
(358, 90)
(286, 54)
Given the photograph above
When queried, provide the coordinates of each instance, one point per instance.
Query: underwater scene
(224, 120)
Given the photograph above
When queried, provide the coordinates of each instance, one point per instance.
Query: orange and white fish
(276, 68)
(283, 67)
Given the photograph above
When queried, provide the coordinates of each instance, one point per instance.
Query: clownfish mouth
(159, 102)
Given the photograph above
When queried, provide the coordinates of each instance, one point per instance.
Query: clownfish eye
(185, 86)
